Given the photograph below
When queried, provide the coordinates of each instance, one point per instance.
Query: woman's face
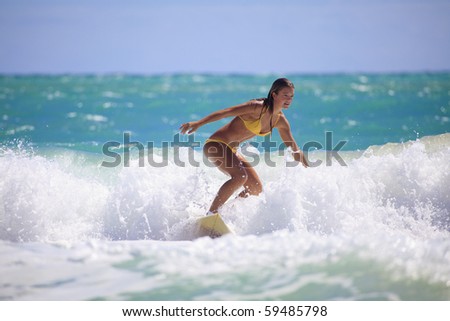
(284, 97)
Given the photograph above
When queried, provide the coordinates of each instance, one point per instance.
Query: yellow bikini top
(255, 125)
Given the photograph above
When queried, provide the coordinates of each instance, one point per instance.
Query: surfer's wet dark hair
(277, 85)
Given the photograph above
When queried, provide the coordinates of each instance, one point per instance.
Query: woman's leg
(253, 185)
(229, 163)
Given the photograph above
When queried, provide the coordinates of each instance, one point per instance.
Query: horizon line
(213, 73)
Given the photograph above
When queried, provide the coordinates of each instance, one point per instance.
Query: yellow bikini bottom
(233, 149)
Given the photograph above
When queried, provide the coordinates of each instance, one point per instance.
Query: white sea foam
(96, 118)
(401, 187)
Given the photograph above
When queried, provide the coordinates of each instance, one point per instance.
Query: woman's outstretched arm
(245, 108)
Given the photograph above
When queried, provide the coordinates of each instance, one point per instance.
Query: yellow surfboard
(212, 226)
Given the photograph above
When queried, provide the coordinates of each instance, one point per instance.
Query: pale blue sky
(279, 36)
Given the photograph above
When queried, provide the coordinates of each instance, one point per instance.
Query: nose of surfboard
(212, 226)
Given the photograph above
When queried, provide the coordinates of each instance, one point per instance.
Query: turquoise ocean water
(375, 229)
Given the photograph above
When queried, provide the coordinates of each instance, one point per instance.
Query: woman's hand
(190, 127)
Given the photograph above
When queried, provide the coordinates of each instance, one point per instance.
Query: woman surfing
(255, 117)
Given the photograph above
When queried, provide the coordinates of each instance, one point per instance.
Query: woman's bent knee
(254, 189)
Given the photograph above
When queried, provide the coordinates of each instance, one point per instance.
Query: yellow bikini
(233, 148)
(255, 125)
(252, 125)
